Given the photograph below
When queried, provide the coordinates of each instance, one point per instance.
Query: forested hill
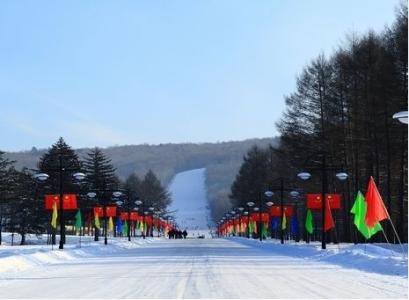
(222, 161)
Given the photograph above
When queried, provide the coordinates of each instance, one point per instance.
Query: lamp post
(401, 116)
(305, 176)
(281, 189)
(151, 209)
(246, 213)
(145, 230)
(233, 215)
(126, 195)
(39, 179)
(139, 203)
(295, 195)
(222, 221)
(240, 209)
(103, 194)
(249, 204)
(78, 176)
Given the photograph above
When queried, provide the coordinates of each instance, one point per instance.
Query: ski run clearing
(189, 202)
(201, 268)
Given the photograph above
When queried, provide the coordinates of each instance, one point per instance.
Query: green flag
(251, 227)
(125, 228)
(308, 222)
(359, 210)
(264, 230)
(78, 220)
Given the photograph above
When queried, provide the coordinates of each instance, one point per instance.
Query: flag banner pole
(395, 232)
(389, 244)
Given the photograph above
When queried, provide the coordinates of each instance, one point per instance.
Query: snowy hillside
(189, 201)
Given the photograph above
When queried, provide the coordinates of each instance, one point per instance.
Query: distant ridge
(222, 161)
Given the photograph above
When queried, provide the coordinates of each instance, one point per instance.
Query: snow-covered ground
(202, 268)
(189, 201)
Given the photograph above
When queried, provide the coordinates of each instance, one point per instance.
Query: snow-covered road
(199, 268)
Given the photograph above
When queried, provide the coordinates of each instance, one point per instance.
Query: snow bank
(19, 258)
(374, 258)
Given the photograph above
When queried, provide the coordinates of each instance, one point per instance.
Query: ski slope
(201, 268)
(189, 202)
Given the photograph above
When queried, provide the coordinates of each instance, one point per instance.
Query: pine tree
(26, 210)
(152, 193)
(100, 173)
(5, 179)
(60, 155)
(101, 179)
(252, 180)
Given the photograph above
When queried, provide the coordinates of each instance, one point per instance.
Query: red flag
(329, 221)
(376, 210)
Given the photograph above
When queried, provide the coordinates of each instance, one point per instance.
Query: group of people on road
(177, 234)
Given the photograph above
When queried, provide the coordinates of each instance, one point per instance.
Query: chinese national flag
(376, 210)
(329, 221)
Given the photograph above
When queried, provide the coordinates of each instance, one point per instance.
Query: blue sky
(103, 73)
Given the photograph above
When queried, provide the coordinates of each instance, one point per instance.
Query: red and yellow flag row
(52, 202)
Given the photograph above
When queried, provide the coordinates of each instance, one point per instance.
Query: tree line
(342, 110)
(22, 207)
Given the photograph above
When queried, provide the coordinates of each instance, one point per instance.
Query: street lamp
(42, 177)
(118, 194)
(295, 195)
(281, 188)
(240, 214)
(402, 116)
(233, 213)
(104, 204)
(151, 209)
(249, 204)
(144, 213)
(305, 176)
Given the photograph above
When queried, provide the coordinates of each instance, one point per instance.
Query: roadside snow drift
(201, 268)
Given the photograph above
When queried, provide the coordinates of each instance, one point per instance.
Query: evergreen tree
(5, 180)
(26, 210)
(100, 173)
(62, 160)
(100, 178)
(133, 185)
(152, 193)
(252, 180)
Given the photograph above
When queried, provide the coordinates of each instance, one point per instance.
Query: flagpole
(282, 209)
(323, 200)
(394, 230)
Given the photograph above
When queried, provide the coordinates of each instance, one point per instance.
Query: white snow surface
(189, 201)
(201, 268)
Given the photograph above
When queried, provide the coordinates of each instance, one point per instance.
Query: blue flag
(294, 225)
(274, 223)
(118, 225)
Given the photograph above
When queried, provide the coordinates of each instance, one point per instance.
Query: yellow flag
(110, 224)
(54, 216)
(96, 220)
(284, 222)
